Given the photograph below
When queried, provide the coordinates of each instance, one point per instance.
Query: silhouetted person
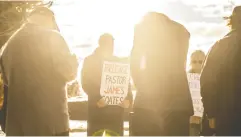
(196, 61)
(101, 116)
(37, 64)
(163, 104)
(220, 81)
(73, 89)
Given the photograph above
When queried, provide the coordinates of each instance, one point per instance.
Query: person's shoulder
(125, 59)
(90, 58)
(220, 46)
(34, 31)
(192, 71)
(120, 59)
(51, 34)
(227, 40)
(180, 28)
(230, 38)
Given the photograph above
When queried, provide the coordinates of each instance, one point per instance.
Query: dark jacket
(3, 111)
(37, 65)
(162, 86)
(91, 81)
(220, 83)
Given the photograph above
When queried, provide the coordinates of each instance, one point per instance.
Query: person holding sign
(105, 79)
(196, 62)
(163, 104)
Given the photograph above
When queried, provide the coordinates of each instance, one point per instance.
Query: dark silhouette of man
(36, 65)
(102, 117)
(163, 102)
(220, 81)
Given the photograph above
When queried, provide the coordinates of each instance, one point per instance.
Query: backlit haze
(82, 21)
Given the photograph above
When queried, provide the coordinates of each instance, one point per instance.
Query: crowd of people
(36, 64)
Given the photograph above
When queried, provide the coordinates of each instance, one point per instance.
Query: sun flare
(113, 16)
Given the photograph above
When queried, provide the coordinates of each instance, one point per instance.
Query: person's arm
(87, 76)
(64, 61)
(85, 82)
(208, 82)
(130, 95)
(128, 100)
(135, 59)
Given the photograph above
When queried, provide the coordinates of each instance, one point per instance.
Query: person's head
(160, 39)
(106, 44)
(196, 61)
(149, 30)
(234, 21)
(43, 16)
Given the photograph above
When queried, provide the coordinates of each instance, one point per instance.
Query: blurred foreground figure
(163, 104)
(101, 116)
(220, 81)
(37, 64)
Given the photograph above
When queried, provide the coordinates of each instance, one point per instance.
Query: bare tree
(13, 14)
(232, 3)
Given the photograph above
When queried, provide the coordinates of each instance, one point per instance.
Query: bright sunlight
(94, 17)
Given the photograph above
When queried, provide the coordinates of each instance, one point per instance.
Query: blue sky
(82, 21)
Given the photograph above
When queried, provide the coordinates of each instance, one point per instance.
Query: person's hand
(212, 123)
(74, 55)
(195, 120)
(125, 104)
(101, 103)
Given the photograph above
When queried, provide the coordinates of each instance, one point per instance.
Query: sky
(82, 21)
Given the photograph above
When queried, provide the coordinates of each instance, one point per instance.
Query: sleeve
(64, 62)
(84, 78)
(209, 82)
(129, 95)
(87, 82)
(135, 66)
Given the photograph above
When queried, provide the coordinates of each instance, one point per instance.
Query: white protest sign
(194, 85)
(115, 82)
